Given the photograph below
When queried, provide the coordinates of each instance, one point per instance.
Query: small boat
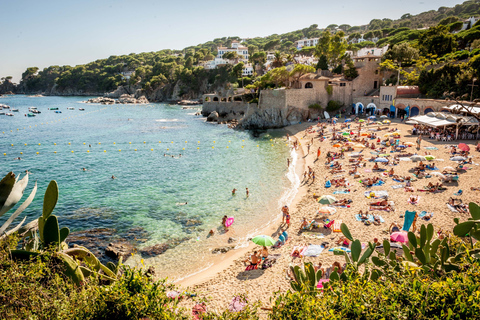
(81, 109)
(35, 108)
(6, 107)
(53, 108)
(35, 111)
(70, 108)
(14, 110)
(2, 113)
(58, 111)
(9, 114)
(31, 115)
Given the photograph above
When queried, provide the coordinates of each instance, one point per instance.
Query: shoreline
(226, 260)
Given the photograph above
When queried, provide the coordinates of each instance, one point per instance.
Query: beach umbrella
(381, 160)
(448, 168)
(386, 121)
(409, 144)
(384, 155)
(327, 199)
(364, 134)
(463, 147)
(438, 174)
(400, 236)
(346, 134)
(348, 120)
(359, 146)
(430, 157)
(417, 158)
(378, 122)
(372, 118)
(263, 240)
(395, 134)
(349, 143)
(361, 120)
(337, 145)
(384, 116)
(386, 135)
(327, 210)
(458, 158)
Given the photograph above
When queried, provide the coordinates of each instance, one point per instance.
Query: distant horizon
(64, 33)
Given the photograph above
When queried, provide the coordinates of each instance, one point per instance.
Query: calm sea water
(135, 143)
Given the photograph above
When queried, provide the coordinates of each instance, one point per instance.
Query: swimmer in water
(247, 192)
(84, 169)
(18, 158)
(233, 191)
(113, 177)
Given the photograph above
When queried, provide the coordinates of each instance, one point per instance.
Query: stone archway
(229, 99)
(414, 111)
(308, 85)
(427, 110)
(215, 98)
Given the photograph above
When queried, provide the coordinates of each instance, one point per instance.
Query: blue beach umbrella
(372, 117)
(381, 160)
(348, 120)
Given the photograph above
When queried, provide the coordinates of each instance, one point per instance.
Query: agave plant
(78, 262)
(11, 191)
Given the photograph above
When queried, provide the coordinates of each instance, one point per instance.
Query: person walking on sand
(284, 213)
(287, 220)
(419, 141)
(247, 192)
(288, 162)
(318, 153)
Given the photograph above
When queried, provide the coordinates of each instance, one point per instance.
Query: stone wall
(227, 111)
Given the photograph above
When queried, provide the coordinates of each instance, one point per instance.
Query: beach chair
(459, 192)
(409, 218)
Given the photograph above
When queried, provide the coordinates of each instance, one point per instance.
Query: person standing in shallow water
(247, 192)
(233, 191)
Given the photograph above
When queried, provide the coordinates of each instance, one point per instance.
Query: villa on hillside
(299, 44)
(242, 56)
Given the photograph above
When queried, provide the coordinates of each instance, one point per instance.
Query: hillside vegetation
(442, 52)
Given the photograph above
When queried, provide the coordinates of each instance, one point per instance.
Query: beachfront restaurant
(445, 126)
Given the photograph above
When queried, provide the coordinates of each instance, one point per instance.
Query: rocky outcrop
(101, 100)
(222, 249)
(117, 250)
(130, 99)
(154, 250)
(121, 90)
(213, 116)
(273, 118)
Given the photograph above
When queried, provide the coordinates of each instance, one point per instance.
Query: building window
(308, 85)
(342, 84)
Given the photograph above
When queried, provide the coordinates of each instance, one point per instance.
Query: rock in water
(117, 250)
(154, 250)
(222, 249)
(213, 116)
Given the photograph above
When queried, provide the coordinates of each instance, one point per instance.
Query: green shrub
(333, 105)
(329, 89)
(315, 106)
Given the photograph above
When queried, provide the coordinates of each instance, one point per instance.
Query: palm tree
(278, 60)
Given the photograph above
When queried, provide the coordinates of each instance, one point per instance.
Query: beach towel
(416, 202)
(424, 213)
(251, 267)
(379, 183)
(398, 186)
(368, 170)
(408, 220)
(376, 194)
(339, 249)
(431, 148)
(452, 208)
(336, 226)
(436, 168)
(313, 250)
(300, 249)
(397, 180)
(341, 192)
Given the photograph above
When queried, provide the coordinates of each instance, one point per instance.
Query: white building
(127, 74)
(368, 52)
(299, 44)
(242, 53)
(467, 24)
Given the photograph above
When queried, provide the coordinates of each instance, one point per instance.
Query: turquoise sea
(135, 143)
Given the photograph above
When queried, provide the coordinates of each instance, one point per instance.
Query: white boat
(81, 109)
(2, 113)
(9, 114)
(70, 108)
(34, 111)
(35, 108)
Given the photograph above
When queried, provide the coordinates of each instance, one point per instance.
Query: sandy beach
(228, 278)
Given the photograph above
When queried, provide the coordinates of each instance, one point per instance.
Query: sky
(71, 32)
